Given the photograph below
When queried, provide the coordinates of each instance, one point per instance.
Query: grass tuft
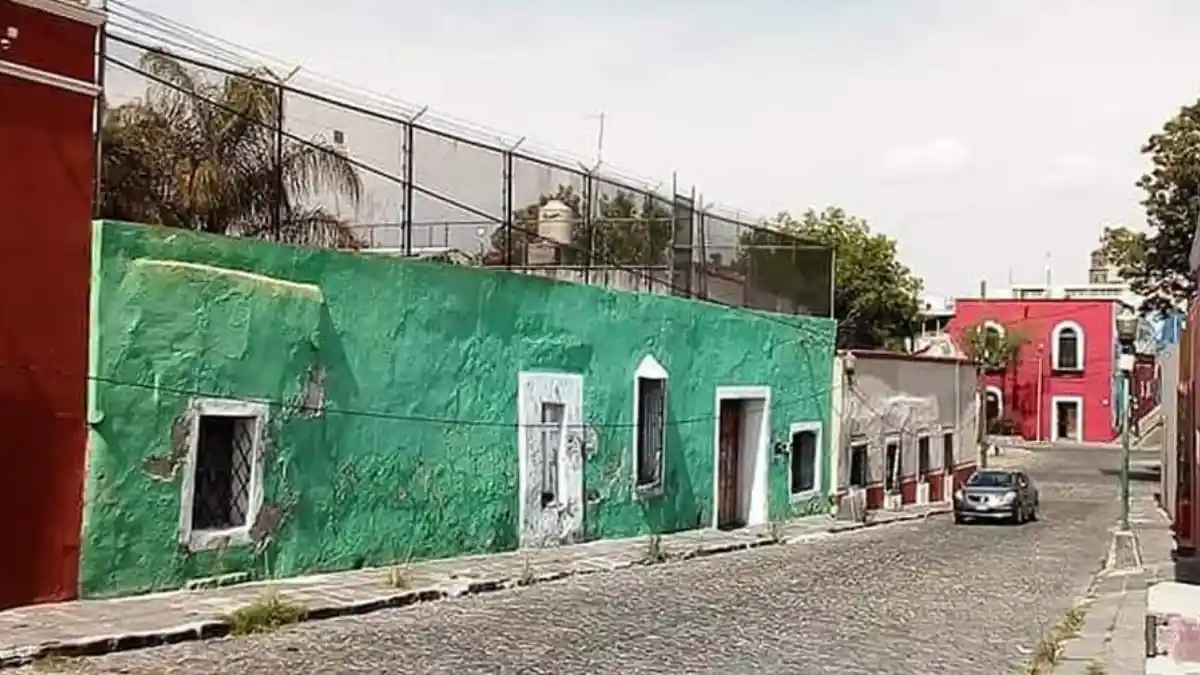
(266, 614)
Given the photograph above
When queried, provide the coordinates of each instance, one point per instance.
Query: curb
(209, 629)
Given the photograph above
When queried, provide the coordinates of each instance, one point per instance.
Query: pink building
(1062, 382)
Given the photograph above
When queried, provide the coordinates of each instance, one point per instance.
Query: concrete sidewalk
(1113, 637)
(93, 627)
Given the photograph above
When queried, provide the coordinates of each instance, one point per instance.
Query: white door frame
(756, 439)
(1078, 402)
(534, 388)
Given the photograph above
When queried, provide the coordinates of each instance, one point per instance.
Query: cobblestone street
(921, 597)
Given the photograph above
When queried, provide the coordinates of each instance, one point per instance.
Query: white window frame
(996, 326)
(818, 456)
(1075, 400)
(858, 442)
(649, 369)
(944, 431)
(201, 540)
(1056, 356)
(898, 439)
(927, 436)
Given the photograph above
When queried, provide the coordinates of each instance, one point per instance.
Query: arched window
(993, 333)
(993, 408)
(1066, 345)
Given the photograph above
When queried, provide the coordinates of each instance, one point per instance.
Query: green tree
(629, 229)
(995, 350)
(1124, 248)
(874, 296)
(203, 155)
(1172, 203)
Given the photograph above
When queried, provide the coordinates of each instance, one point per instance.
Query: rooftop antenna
(1047, 271)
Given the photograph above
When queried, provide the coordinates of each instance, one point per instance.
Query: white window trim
(649, 369)
(997, 326)
(1054, 401)
(1079, 343)
(49, 79)
(898, 439)
(818, 460)
(200, 540)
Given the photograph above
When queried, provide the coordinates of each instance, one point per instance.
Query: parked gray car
(997, 494)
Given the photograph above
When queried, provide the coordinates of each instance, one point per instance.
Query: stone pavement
(1113, 636)
(92, 627)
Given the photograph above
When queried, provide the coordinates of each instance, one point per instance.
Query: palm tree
(207, 156)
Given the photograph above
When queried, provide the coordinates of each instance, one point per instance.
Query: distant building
(1061, 384)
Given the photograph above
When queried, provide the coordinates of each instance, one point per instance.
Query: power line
(778, 406)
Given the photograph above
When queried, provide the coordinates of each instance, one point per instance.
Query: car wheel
(958, 519)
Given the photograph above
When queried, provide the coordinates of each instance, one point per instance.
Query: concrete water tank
(555, 220)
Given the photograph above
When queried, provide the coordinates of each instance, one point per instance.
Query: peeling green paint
(363, 360)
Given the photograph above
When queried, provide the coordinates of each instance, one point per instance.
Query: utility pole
(981, 416)
(1125, 552)
(1126, 413)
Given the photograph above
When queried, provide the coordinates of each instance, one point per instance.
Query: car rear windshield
(991, 479)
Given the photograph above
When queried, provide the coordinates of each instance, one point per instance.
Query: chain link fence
(298, 165)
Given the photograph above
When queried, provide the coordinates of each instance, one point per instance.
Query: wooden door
(729, 465)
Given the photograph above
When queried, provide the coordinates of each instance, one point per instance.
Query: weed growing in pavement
(1050, 647)
(50, 663)
(400, 577)
(527, 577)
(266, 614)
(1095, 668)
(775, 531)
(656, 551)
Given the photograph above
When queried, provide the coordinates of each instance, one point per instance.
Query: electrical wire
(777, 405)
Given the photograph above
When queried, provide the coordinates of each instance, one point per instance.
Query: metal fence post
(507, 207)
(406, 161)
(589, 224)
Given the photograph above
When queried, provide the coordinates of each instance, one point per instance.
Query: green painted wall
(410, 351)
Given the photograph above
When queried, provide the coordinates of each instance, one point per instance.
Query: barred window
(222, 487)
(651, 430)
(224, 456)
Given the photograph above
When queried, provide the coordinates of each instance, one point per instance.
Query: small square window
(222, 489)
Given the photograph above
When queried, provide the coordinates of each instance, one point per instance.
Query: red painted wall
(46, 184)
(49, 42)
(1035, 320)
(1145, 386)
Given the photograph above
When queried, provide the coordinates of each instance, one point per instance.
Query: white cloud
(937, 156)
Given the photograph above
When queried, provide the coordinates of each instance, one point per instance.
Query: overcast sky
(981, 134)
